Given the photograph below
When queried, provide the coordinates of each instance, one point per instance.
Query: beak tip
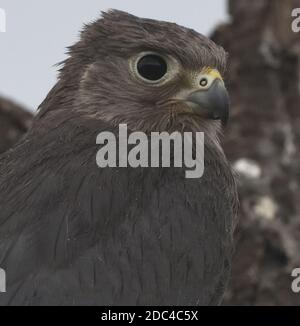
(215, 101)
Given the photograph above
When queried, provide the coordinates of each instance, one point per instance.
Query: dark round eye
(203, 82)
(152, 67)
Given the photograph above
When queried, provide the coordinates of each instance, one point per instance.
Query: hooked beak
(213, 102)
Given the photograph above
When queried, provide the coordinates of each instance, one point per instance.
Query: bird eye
(152, 67)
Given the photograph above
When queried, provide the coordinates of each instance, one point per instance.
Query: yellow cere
(214, 73)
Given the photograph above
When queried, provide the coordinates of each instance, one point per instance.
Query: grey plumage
(14, 123)
(74, 234)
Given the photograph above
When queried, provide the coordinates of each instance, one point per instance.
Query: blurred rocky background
(14, 122)
(263, 143)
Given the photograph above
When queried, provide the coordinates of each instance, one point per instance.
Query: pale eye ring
(154, 68)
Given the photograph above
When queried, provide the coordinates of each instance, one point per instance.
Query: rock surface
(263, 143)
(14, 122)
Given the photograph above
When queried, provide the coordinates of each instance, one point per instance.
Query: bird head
(148, 74)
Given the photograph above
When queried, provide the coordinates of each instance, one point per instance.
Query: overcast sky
(38, 32)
